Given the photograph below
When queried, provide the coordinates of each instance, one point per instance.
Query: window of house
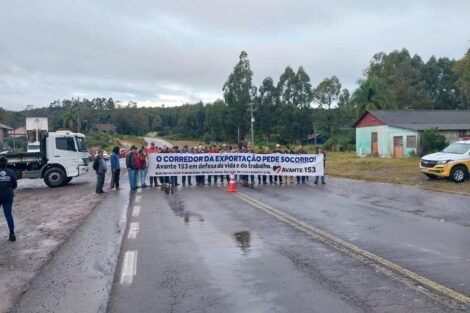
(411, 142)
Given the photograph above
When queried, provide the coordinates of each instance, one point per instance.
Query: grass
(387, 170)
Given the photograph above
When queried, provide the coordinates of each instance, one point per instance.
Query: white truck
(62, 155)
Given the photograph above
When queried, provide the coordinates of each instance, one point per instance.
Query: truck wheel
(55, 177)
(458, 174)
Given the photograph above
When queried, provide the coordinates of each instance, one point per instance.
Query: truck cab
(68, 150)
(452, 162)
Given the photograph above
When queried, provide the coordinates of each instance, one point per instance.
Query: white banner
(186, 164)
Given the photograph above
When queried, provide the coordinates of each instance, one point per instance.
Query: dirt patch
(44, 218)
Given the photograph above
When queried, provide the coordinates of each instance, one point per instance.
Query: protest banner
(185, 164)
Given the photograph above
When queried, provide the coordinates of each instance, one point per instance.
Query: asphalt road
(344, 247)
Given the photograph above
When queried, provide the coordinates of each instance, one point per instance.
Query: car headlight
(443, 162)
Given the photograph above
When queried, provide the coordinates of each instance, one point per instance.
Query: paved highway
(344, 247)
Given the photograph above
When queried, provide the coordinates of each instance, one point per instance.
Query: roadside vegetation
(107, 141)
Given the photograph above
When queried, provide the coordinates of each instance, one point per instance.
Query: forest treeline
(287, 109)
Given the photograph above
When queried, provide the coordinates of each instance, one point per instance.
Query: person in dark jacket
(7, 185)
(100, 167)
(115, 169)
(132, 167)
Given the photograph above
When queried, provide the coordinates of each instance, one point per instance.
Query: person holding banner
(319, 150)
(289, 179)
(277, 150)
(300, 150)
(183, 178)
(209, 177)
(174, 179)
(153, 150)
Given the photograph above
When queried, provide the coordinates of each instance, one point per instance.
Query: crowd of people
(137, 163)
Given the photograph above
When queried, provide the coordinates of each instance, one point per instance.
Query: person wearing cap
(277, 150)
(131, 165)
(7, 185)
(152, 150)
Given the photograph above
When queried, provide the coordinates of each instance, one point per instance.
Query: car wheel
(458, 174)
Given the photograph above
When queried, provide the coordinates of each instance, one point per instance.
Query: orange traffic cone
(232, 185)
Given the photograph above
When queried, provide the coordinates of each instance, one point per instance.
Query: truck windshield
(457, 148)
(81, 144)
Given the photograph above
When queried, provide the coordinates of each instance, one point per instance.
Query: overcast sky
(174, 52)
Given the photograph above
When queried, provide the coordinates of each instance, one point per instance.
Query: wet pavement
(202, 249)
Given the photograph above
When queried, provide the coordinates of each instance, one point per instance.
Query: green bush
(432, 141)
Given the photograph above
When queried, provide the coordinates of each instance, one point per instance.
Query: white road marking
(133, 230)
(129, 267)
(138, 199)
(136, 211)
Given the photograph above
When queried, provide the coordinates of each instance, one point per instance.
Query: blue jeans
(142, 176)
(7, 204)
(133, 178)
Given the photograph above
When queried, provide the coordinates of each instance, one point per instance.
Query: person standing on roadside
(131, 165)
(183, 178)
(7, 185)
(300, 150)
(320, 151)
(143, 167)
(277, 150)
(100, 168)
(152, 150)
(115, 169)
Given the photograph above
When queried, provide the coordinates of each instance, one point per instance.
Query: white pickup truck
(452, 162)
(62, 155)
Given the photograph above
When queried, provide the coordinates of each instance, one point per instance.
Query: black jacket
(7, 183)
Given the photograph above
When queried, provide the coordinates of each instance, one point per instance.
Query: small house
(397, 133)
(4, 130)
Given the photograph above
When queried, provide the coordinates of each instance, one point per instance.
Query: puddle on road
(243, 240)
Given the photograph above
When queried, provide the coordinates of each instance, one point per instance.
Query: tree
(462, 70)
(303, 97)
(401, 76)
(327, 94)
(265, 107)
(440, 82)
(238, 94)
(286, 107)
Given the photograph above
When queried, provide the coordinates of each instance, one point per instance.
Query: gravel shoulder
(44, 219)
